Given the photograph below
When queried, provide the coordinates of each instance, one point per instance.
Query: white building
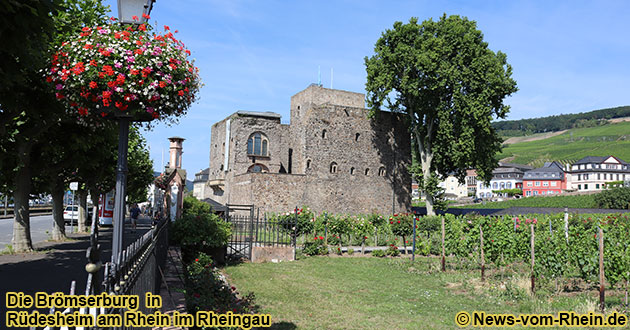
(506, 176)
(201, 184)
(453, 189)
(592, 173)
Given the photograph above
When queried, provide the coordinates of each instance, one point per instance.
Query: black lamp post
(127, 11)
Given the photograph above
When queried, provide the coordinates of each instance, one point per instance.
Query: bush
(305, 222)
(350, 251)
(615, 198)
(378, 253)
(392, 250)
(201, 233)
(196, 207)
(206, 291)
(316, 247)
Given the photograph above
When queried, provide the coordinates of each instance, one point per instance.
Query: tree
(450, 85)
(27, 105)
(140, 168)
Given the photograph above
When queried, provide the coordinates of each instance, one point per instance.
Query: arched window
(495, 185)
(502, 185)
(367, 171)
(333, 167)
(308, 164)
(258, 168)
(381, 171)
(324, 134)
(352, 171)
(257, 144)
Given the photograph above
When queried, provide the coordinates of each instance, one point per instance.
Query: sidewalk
(54, 265)
(172, 292)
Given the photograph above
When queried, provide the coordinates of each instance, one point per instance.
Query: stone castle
(330, 157)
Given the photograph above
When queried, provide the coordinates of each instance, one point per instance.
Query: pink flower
(517, 225)
(59, 87)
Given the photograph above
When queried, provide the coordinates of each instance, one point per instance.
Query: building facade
(506, 176)
(594, 173)
(453, 190)
(547, 180)
(200, 184)
(330, 157)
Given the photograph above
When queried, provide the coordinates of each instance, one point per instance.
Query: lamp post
(132, 12)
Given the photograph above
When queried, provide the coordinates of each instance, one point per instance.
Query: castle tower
(175, 150)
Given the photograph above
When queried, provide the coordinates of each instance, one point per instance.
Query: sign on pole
(74, 186)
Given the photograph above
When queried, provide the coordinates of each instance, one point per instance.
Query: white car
(71, 213)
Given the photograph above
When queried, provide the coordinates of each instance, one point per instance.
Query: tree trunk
(82, 209)
(59, 227)
(425, 162)
(21, 226)
(95, 202)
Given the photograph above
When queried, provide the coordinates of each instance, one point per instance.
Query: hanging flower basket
(121, 70)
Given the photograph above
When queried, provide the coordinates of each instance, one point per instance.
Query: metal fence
(138, 270)
(250, 230)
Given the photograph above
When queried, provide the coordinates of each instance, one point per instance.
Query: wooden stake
(483, 260)
(443, 251)
(532, 250)
(602, 293)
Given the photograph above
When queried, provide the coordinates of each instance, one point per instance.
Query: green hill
(608, 139)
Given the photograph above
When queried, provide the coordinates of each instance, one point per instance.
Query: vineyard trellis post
(566, 223)
(483, 260)
(602, 292)
(532, 252)
(413, 249)
(443, 250)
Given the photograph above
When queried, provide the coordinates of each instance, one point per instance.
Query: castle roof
(260, 114)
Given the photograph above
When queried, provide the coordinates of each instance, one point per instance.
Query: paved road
(54, 268)
(41, 226)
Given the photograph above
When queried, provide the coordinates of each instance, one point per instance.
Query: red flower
(162, 84)
(391, 222)
(134, 17)
(233, 288)
(315, 238)
(142, 27)
(364, 237)
(146, 16)
(321, 237)
(93, 84)
(398, 221)
(166, 27)
(180, 93)
(196, 260)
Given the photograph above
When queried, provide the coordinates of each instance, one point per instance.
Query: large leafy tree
(27, 106)
(450, 85)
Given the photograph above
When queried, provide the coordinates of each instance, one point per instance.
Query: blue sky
(567, 56)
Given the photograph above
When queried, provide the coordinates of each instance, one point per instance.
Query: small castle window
(367, 171)
(352, 171)
(356, 137)
(381, 171)
(333, 167)
(324, 134)
(308, 164)
(257, 144)
(346, 111)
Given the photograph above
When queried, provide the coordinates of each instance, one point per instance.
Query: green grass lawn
(572, 201)
(380, 293)
(611, 139)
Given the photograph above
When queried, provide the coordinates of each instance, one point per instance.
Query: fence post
(550, 230)
(483, 258)
(295, 232)
(532, 252)
(443, 250)
(326, 228)
(413, 249)
(251, 232)
(602, 292)
(566, 223)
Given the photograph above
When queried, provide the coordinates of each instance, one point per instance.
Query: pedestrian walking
(135, 212)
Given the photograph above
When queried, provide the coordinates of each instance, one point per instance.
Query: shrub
(196, 207)
(392, 250)
(378, 253)
(200, 233)
(615, 198)
(207, 291)
(316, 247)
(350, 251)
(305, 222)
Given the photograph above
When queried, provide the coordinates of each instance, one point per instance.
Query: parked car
(477, 200)
(71, 213)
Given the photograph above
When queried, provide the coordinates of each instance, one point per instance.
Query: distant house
(471, 182)
(506, 176)
(453, 189)
(200, 184)
(592, 173)
(547, 180)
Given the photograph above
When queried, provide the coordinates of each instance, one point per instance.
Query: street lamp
(127, 9)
